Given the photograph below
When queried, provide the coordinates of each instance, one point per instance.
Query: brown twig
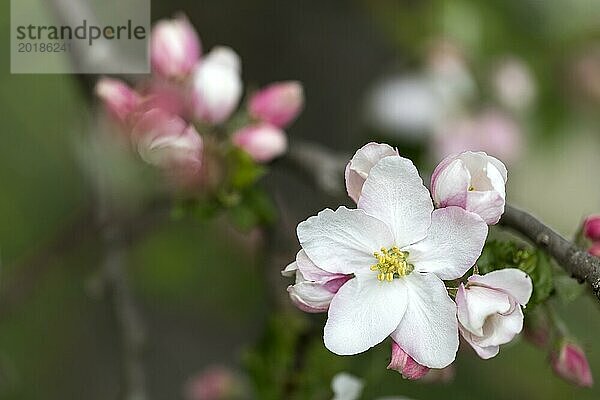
(576, 261)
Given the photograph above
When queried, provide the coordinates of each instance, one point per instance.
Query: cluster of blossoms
(591, 230)
(172, 118)
(435, 104)
(378, 270)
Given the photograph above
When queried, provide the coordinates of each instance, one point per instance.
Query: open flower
(473, 181)
(398, 250)
(360, 165)
(489, 309)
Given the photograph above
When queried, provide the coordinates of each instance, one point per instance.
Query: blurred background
(519, 79)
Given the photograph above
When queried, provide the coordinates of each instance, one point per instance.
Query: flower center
(391, 263)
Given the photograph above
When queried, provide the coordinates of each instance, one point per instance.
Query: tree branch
(576, 261)
(131, 328)
(325, 169)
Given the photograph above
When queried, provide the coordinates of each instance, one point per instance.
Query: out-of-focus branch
(576, 261)
(131, 328)
(320, 165)
(31, 270)
(325, 169)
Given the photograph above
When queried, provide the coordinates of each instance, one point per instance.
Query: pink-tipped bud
(405, 364)
(175, 47)
(216, 86)
(569, 362)
(591, 227)
(595, 249)
(279, 103)
(263, 142)
(168, 142)
(119, 99)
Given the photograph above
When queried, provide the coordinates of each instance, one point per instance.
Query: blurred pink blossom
(175, 48)
(262, 141)
(492, 131)
(570, 363)
(513, 84)
(214, 383)
(119, 99)
(278, 104)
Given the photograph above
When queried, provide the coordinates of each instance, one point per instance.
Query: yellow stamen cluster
(391, 263)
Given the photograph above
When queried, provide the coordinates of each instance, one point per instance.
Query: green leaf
(505, 254)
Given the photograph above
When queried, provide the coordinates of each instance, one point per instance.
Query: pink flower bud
(168, 142)
(119, 99)
(175, 47)
(595, 249)
(215, 383)
(217, 86)
(569, 362)
(473, 181)
(263, 142)
(279, 103)
(403, 363)
(591, 227)
(167, 96)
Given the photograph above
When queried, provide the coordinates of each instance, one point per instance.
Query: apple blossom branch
(326, 169)
(576, 261)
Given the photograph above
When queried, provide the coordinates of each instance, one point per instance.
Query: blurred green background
(201, 285)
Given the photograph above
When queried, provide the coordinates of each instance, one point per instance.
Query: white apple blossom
(398, 250)
(473, 181)
(360, 165)
(489, 309)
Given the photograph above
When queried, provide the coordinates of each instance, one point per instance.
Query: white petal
(483, 352)
(500, 329)
(451, 185)
(499, 166)
(429, 330)
(346, 387)
(361, 163)
(477, 304)
(343, 241)
(363, 313)
(453, 243)
(510, 280)
(310, 271)
(290, 270)
(394, 193)
(489, 205)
